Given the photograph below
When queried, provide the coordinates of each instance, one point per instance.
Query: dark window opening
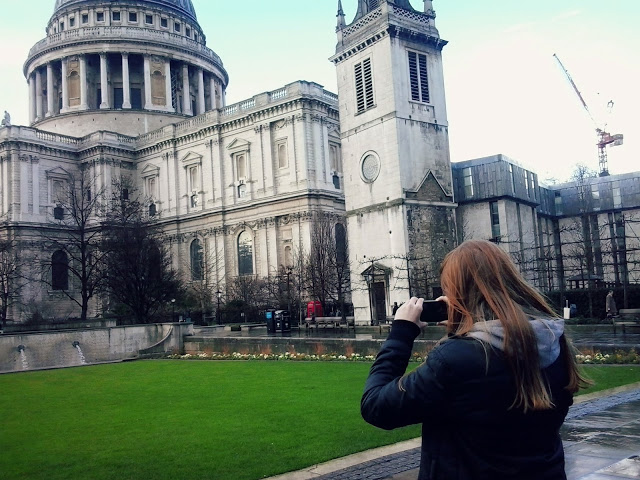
(118, 97)
(136, 98)
(418, 77)
(133, 17)
(148, 19)
(115, 16)
(58, 213)
(59, 271)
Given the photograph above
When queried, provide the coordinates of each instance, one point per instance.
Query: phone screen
(434, 311)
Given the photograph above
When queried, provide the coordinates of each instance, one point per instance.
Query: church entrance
(379, 303)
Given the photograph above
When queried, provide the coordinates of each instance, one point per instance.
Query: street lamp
(289, 270)
(219, 294)
(173, 309)
(370, 277)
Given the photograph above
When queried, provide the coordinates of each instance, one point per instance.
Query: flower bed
(618, 358)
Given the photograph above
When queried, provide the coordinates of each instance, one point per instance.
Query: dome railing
(129, 33)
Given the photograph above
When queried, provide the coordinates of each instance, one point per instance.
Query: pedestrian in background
(610, 304)
(492, 396)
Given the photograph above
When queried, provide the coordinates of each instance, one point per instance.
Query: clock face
(370, 168)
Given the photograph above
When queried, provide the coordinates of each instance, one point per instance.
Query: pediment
(150, 171)
(239, 144)
(191, 158)
(430, 189)
(58, 172)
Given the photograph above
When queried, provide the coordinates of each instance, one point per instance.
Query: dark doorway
(379, 303)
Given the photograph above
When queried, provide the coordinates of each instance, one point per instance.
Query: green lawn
(191, 420)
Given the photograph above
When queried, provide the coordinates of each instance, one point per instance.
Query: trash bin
(270, 316)
(283, 321)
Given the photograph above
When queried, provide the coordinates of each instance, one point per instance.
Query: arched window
(197, 270)
(59, 271)
(341, 243)
(245, 254)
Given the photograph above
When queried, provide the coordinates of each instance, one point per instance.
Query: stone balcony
(102, 34)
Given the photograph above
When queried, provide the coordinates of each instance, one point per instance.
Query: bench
(627, 317)
(328, 322)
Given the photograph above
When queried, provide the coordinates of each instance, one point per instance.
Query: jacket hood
(548, 332)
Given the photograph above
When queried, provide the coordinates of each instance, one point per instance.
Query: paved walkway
(601, 438)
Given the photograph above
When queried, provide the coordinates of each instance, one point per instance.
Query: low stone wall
(280, 345)
(28, 351)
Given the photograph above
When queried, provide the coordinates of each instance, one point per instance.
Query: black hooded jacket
(462, 396)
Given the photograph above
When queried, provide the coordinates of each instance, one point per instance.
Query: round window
(370, 167)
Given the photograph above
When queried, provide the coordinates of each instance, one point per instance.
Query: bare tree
(327, 264)
(141, 276)
(12, 276)
(76, 241)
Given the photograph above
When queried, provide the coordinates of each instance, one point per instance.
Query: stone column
(167, 85)
(186, 95)
(65, 87)
(126, 86)
(32, 99)
(148, 105)
(38, 96)
(83, 83)
(104, 82)
(201, 108)
(212, 92)
(49, 90)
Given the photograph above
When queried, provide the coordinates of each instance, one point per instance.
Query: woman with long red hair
(492, 396)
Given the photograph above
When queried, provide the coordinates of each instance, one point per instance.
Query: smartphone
(434, 311)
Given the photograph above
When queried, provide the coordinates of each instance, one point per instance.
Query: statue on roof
(6, 120)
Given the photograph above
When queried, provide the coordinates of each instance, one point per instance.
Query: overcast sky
(505, 92)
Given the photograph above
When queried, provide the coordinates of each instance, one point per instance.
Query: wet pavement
(601, 437)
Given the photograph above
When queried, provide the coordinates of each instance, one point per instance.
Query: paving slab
(601, 437)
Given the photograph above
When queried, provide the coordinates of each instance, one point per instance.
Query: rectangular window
(467, 181)
(118, 97)
(194, 179)
(164, 23)
(526, 181)
(133, 17)
(72, 21)
(115, 16)
(558, 203)
(177, 27)
(241, 167)
(61, 26)
(595, 197)
(495, 221)
(85, 18)
(148, 19)
(418, 77)
(513, 179)
(187, 31)
(151, 188)
(364, 86)
(617, 197)
(99, 16)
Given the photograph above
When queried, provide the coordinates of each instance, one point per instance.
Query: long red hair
(482, 283)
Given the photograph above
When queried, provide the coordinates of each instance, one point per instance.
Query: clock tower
(395, 145)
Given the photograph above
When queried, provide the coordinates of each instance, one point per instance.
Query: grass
(193, 420)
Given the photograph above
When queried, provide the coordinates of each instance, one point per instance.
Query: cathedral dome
(182, 6)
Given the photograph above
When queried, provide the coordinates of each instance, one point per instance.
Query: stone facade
(130, 88)
(394, 133)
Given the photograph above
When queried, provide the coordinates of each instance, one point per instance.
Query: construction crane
(605, 139)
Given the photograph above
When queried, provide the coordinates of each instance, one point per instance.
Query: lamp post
(289, 270)
(173, 309)
(219, 294)
(370, 277)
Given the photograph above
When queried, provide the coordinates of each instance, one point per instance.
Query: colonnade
(160, 84)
